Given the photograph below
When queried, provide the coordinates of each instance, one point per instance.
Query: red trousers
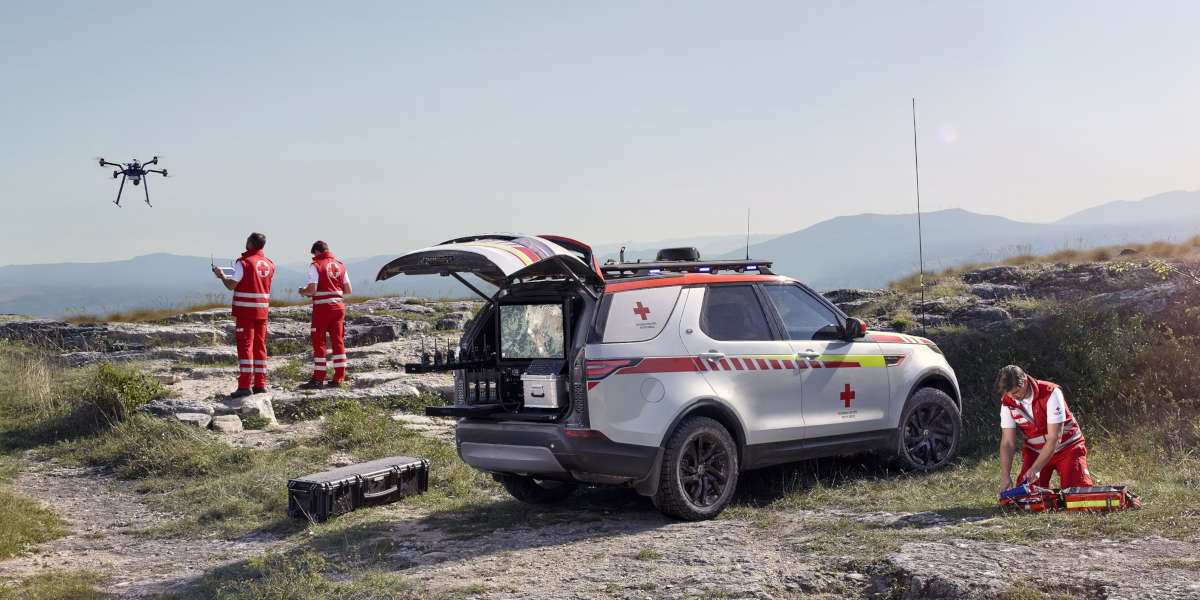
(329, 319)
(251, 337)
(1071, 465)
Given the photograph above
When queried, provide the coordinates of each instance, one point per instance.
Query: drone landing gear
(146, 188)
(119, 189)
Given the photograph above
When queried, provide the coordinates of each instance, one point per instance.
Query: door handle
(712, 355)
(808, 355)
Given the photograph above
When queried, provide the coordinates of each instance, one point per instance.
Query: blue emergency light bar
(704, 270)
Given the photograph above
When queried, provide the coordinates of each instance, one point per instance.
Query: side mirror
(855, 328)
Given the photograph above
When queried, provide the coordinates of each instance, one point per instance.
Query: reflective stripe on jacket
(1034, 426)
(330, 275)
(252, 296)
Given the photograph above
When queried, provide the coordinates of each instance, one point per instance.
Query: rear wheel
(536, 491)
(699, 471)
(930, 431)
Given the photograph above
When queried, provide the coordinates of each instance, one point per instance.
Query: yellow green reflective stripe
(1091, 503)
(517, 253)
(866, 360)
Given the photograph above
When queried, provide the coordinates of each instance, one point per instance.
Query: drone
(134, 171)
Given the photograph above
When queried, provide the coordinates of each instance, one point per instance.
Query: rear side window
(634, 315)
(803, 316)
(733, 313)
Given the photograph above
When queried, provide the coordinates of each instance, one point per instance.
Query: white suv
(671, 376)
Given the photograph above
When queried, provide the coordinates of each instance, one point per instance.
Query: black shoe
(260, 390)
(238, 393)
(334, 383)
(311, 384)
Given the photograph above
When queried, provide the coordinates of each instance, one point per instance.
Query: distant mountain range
(866, 250)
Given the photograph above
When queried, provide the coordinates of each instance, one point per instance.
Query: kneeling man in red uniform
(1037, 411)
(328, 282)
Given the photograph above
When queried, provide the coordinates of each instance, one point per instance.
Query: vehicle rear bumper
(544, 450)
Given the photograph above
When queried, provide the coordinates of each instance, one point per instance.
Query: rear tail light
(584, 433)
(599, 369)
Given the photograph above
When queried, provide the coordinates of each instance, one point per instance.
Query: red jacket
(330, 275)
(1033, 426)
(252, 296)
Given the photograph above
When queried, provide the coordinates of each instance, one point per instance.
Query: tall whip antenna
(920, 238)
(747, 233)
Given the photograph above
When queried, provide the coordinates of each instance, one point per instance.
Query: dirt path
(99, 513)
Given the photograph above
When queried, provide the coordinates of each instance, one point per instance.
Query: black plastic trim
(597, 455)
(757, 456)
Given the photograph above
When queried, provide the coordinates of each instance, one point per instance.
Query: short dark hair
(319, 247)
(1010, 377)
(257, 240)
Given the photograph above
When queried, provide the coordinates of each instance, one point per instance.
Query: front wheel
(699, 471)
(930, 431)
(536, 491)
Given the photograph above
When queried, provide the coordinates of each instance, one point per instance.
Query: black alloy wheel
(930, 431)
(699, 471)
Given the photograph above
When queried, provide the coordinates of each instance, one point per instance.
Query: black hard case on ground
(319, 496)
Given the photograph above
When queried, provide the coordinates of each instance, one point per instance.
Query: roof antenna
(920, 238)
(747, 233)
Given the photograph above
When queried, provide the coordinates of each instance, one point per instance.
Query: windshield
(531, 331)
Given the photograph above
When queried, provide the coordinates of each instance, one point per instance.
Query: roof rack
(669, 267)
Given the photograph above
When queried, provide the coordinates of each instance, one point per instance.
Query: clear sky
(383, 127)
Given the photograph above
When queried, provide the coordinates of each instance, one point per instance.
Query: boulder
(995, 291)
(83, 359)
(941, 306)
(200, 420)
(454, 320)
(227, 424)
(256, 405)
(979, 316)
(853, 295)
(61, 335)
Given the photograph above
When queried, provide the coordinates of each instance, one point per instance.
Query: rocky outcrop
(454, 320)
(972, 569)
(227, 424)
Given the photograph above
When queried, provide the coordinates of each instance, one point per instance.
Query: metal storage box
(319, 496)
(543, 383)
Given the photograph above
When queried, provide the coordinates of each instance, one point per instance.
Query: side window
(733, 313)
(635, 315)
(803, 316)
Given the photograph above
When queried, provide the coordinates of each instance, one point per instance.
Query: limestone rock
(1003, 274)
(256, 405)
(83, 359)
(227, 424)
(164, 407)
(995, 291)
(454, 320)
(979, 316)
(200, 420)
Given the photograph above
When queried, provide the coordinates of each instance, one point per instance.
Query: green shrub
(284, 347)
(145, 446)
(112, 394)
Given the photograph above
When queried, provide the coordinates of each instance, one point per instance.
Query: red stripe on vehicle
(762, 364)
(699, 362)
(737, 364)
(890, 339)
(749, 362)
(724, 364)
(838, 364)
(816, 364)
(775, 365)
(673, 364)
(592, 384)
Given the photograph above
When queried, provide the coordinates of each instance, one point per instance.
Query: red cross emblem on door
(847, 395)
(641, 311)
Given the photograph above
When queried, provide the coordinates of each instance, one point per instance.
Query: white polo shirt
(237, 271)
(1054, 410)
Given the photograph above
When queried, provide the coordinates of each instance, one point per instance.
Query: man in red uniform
(251, 285)
(328, 282)
(1053, 439)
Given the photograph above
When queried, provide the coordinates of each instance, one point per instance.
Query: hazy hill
(1178, 204)
(869, 250)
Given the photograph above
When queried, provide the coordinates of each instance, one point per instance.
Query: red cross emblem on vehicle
(262, 268)
(641, 311)
(847, 395)
(332, 270)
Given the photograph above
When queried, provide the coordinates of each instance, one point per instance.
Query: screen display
(531, 331)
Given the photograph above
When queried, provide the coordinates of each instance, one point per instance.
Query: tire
(536, 491)
(699, 471)
(930, 431)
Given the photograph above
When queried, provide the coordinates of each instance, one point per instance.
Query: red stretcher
(1031, 498)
